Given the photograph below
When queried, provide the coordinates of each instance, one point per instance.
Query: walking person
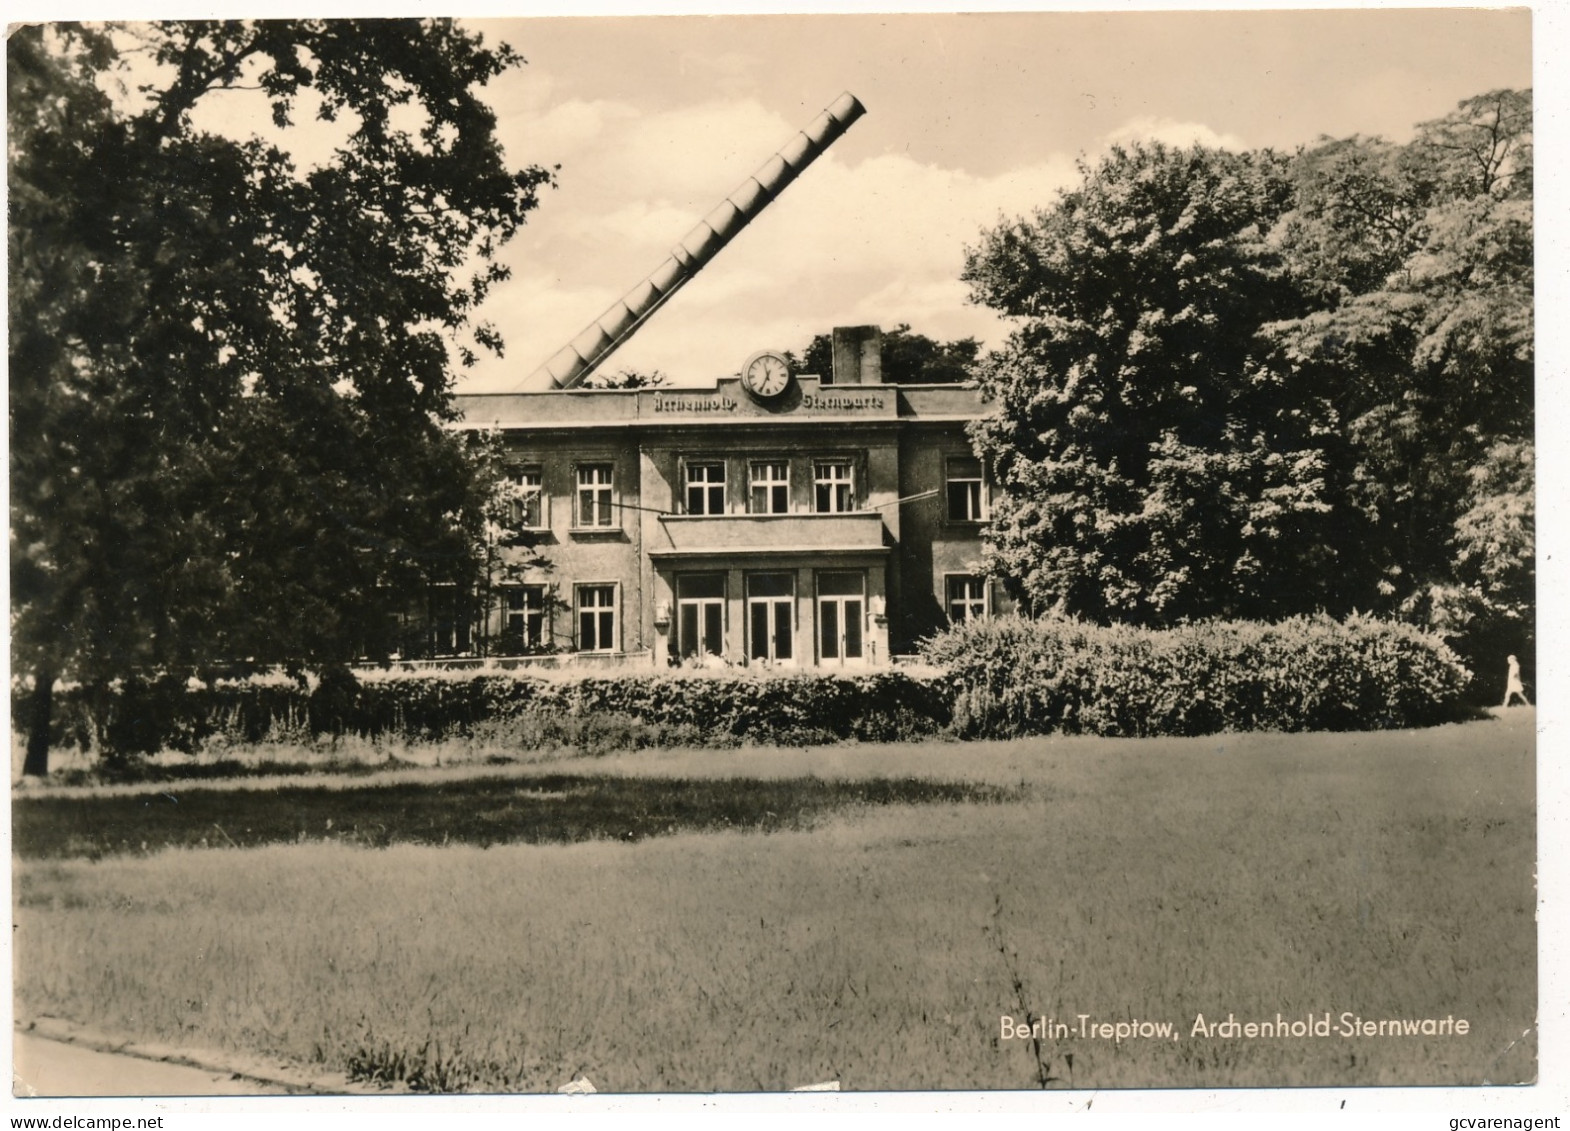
(1513, 681)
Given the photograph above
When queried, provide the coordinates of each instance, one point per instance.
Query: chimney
(858, 356)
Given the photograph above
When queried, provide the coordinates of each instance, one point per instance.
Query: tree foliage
(1154, 467)
(1253, 385)
(1430, 363)
(907, 358)
(628, 379)
(230, 373)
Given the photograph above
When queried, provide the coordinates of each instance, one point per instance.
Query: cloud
(531, 311)
(939, 307)
(569, 125)
(1173, 132)
(880, 240)
(700, 152)
(730, 70)
(639, 223)
(676, 156)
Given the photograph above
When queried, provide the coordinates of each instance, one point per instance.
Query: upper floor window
(596, 503)
(770, 487)
(527, 509)
(833, 485)
(705, 488)
(963, 489)
(967, 597)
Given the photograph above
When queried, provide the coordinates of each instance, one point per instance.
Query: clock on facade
(766, 374)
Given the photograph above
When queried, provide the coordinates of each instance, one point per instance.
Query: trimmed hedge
(145, 717)
(1012, 676)
(141, 716)
(1000, 677)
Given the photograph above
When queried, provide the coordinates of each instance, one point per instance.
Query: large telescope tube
(601, 337)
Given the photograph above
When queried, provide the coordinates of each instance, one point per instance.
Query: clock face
(766, 374)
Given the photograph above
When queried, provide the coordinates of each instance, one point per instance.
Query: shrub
(590, 713)
(140, 715)
(998, 677)
(1013, 676)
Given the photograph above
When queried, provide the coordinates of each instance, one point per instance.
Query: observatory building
(776, 518)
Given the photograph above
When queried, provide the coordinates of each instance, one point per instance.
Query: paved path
(41, 1067)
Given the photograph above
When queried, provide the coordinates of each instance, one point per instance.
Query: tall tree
(230, 374)
(1154, 467)
(1429, 355)
(1255, 385)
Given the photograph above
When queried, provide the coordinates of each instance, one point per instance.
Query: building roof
(727, 403)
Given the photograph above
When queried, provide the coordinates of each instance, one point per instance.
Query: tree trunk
(36, 763)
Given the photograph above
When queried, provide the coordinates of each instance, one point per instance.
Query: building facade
(776, 519)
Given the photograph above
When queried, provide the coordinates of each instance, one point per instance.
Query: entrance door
(700, 614)
(840, 617)
(771, 617)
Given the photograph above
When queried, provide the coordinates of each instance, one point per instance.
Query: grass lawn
(760, 919)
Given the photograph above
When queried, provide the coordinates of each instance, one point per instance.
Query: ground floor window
(450, 620)
(841, 604)
(596, 618)
(700, 614)
(966, 597)
(771, 617)
(523, 618)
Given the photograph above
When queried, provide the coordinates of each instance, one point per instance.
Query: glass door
(841, 605)
(771, 617)
(700, 615)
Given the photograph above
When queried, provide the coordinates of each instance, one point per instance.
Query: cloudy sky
(654, 120)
